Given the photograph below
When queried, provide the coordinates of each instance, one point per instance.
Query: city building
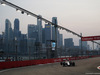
(32, 31)
(54, 20)
(34, 39)
(22, 47)
(17, 33)
(84, 44)
(8, 35)
(31, 48)
(39, 28)
(1, 42)
(60, 40)
(43, 36)
(68, 43)
(60, 45)
(47, 33)
(7, 29)
(16, 25)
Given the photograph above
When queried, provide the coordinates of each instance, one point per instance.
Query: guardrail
(15, 64)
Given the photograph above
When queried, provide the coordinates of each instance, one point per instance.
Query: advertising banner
(90, 38)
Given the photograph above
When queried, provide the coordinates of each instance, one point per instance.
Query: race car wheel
(63, 64)
(73, 64)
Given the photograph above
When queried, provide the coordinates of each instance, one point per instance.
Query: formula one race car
(66, 62)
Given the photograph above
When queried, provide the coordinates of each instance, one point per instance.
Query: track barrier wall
(15, 64)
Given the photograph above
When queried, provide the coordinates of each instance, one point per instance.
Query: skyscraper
(60, 40)
(22, 46)
(68, 43)
(47, 32)
(54, 20)
(31, 46)
(39, 27)
(16, 24)
(16, 28)
(43, 35)
(8, 35)
(7, 29)
(84, 44)
(32, 31)
(1, 42)
(55, 38)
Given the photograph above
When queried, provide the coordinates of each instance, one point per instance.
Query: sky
(80, 16)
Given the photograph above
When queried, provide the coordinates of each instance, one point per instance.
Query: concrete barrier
(15, 64)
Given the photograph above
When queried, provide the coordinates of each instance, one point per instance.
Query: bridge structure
(42, 61)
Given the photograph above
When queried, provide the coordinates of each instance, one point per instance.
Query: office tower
(84, 45)
(16, 28)
(68, 43)
(17, 35)
(61, 40)
(54, 20)
(39, 39)
(11, 34)
(47, 32)
(48, 41)
(1, 43)
(22, 44)
(59, 44)
(39, 27)
(32, 38)
(32, 31)
(58, 38)
(7, 29)
(31, 48)
(16, 24)
(43, 44)
(43, 35)
(8, 35)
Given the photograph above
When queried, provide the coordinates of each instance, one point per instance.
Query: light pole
(81, 45)
(56, 54)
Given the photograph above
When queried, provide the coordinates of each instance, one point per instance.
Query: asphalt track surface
(83, 67)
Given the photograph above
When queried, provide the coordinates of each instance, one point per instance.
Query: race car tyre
(73, 64)
(63, 65)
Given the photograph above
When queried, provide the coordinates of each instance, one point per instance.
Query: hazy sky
(81, 16)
